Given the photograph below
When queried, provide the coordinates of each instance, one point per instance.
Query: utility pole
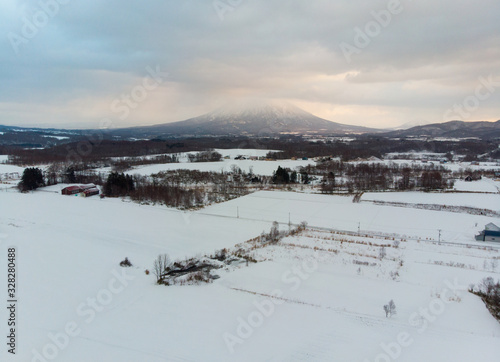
(439, 240)
(289, 222)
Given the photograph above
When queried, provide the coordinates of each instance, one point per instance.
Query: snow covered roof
(72, 188)
(492, 227)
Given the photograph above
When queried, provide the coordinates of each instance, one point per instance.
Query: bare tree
(274, 233)
(382, 253)
(494, 264)
(162, 262)
(390, 309)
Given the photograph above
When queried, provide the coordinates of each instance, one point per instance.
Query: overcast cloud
(65, 64)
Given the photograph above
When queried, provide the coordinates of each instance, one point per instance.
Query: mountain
(410, 124)
(248, 119)
(37, 137)
(455, 129)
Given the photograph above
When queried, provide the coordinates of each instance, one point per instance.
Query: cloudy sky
(368, 62)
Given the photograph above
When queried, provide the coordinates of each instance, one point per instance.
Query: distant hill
(409, 125)
(248, 119)
(453, 129)
(37, 137)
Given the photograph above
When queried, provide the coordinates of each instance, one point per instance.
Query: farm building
(491, 232)
(76, 189)
(71, 190)
(90, 192)
(87, 186)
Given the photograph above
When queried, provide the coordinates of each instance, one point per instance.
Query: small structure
(491, 232)
(71, 190)
(90, 192)
(87, 186)
(80, 189)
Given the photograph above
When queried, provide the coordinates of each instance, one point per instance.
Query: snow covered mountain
(483, 130)
(411, 124)
(250, 119)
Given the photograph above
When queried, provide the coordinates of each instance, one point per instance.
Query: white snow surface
(341, 213)
(265, 168)
(476, 200)
(330, 309)
(4, 168)
(483, 185)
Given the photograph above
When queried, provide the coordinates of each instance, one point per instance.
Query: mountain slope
(254, 119)
(451, 129)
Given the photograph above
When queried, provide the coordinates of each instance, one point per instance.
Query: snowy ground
(316, 296)
(483, 185)
(452, 166)
(265, 168)
(477, 200)
(10, 168)
(341, 213)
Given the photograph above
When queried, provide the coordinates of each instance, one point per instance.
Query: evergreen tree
(69, 175)
(32, 179)
(305, 178)
(119, 184)
(280, 176)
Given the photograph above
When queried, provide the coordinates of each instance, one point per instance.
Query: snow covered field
(265, 168)
(316, 296)
(477, 200)
(10, 168)
(341, 213)
(483, 185)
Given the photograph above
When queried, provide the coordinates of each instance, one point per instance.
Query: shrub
(125, 263)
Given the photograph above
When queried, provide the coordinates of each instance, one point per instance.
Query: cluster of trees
(338, 175)
(169, 195)
(124, 164)
(95, 149)
(75, 173)
(284, 176)
(32, 179)
(489, 291)
(368, 146)
(88, 152)
(190, 188)
(205, 156)
(119, 184)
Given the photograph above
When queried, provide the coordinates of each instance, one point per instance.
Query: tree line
(91, 151)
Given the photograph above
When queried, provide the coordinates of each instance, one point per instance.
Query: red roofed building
(91, 192)
(83, 190)
(71, 190)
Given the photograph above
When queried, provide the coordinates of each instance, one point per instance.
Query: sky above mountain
(370, 63)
